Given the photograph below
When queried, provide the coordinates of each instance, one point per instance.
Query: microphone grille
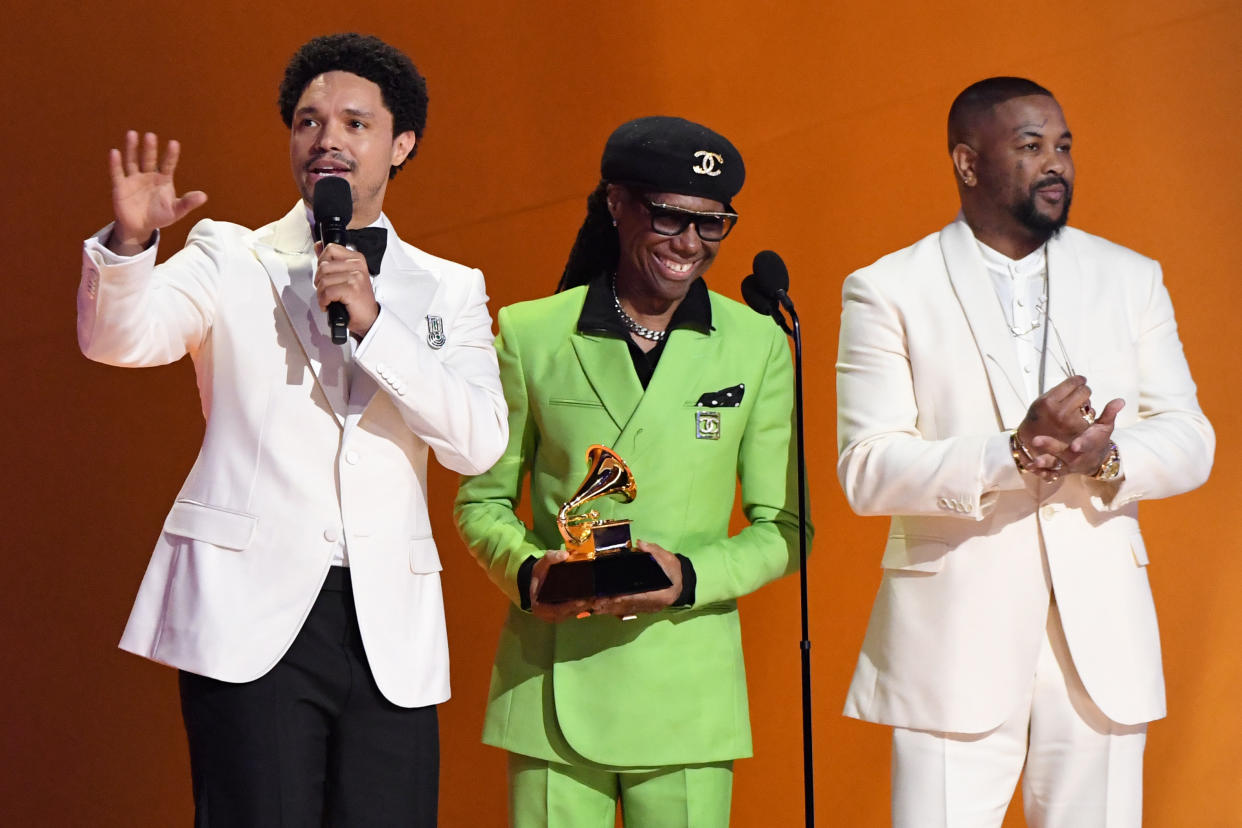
(333, 200)
(755, 296)
(770, 271)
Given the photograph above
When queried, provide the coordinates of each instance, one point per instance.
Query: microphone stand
(795, 331)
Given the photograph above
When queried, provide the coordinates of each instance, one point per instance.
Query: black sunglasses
(668, 220)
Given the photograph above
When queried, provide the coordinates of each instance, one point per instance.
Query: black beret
(673, 155)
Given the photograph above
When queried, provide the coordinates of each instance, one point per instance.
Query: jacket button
(330, 534)
(351, 457)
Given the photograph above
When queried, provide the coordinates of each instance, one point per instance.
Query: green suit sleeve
(768, 547)
(486, 505)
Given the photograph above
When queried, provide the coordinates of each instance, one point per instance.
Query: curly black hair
(403, 89)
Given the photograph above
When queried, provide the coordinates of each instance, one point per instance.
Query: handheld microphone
(333, 208)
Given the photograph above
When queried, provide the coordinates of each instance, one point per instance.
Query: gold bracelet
(1021, 456)
(1110, 468)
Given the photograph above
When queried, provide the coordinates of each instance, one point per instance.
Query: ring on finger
(1088, 413)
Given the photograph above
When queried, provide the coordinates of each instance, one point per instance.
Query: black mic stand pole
(804, 645)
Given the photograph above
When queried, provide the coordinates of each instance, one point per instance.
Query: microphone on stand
(766, 291)
(333, 208)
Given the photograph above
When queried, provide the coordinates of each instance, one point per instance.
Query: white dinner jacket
(300, 452)
(928, 381)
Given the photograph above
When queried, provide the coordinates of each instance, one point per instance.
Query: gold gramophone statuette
(587, 535)
(602, 560)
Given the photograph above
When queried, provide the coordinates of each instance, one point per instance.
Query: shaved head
(977, 101)
(1010, 147)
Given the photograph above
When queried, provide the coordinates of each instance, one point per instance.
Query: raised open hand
(143, 196)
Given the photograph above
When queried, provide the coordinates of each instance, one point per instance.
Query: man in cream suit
(296, 583)
(1014, 627)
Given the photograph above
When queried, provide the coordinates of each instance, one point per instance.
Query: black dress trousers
(312, 743)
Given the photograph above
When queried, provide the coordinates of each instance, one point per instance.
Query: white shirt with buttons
(340, 555)
(1021, 287)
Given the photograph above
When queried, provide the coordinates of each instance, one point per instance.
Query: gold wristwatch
(1110, 469)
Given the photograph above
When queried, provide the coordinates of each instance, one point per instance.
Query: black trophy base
(616, 573)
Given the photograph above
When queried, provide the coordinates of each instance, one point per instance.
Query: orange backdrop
(839, 109)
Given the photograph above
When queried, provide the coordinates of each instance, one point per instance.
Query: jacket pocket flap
(211, 524)
(424, 559)
(914, 553)
(575, 403)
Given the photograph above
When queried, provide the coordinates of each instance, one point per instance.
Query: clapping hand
(1062, 432)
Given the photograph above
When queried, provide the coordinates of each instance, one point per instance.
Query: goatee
(1040, 224)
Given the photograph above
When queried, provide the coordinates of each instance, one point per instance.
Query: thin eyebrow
(353, 113)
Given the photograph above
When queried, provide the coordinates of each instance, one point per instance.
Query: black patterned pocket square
(730, 397)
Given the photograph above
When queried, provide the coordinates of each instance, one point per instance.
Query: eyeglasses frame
(689, 216)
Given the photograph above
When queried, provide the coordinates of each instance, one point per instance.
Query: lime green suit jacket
(668, 688)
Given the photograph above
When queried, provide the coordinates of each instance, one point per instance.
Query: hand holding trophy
(602, 560)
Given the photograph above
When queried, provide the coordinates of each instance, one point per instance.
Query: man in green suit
(639, 697)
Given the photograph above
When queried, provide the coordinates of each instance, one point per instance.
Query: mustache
(1050, 181)
(330, 156)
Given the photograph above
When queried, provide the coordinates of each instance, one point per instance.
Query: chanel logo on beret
(709, 163)
(661, 154)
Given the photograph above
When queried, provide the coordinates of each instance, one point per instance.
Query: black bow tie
(369, 241)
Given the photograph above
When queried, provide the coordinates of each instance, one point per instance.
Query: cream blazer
(927, 383)
(299, 452)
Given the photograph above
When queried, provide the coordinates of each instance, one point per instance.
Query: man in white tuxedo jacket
(296, 583)
(1014, 626)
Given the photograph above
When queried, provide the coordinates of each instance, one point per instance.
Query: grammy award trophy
(602, 560)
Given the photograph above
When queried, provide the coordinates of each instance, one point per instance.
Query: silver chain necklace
(629, 321)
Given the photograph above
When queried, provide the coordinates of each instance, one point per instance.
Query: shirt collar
(381, 221)
(1029, 266)
(599, 313)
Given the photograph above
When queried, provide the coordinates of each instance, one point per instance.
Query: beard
(1042, 225)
